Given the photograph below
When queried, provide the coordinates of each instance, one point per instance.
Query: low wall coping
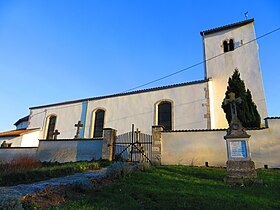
(57, 140)
(205, 130)
(18, 147)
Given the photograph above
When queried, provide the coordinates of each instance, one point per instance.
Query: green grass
(45, 171)
(179, 187)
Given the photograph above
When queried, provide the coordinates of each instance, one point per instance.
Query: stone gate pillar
(156, 144)
(108, 143)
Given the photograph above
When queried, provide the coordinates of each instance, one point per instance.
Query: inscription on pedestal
(238, 149)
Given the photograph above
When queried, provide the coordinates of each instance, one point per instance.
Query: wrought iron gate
(133, 146)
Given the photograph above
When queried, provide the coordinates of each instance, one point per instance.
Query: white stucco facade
(189, 111)
(245, 57)
(30, 138)
(70, 150)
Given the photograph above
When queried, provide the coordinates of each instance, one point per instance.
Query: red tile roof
(15, 133)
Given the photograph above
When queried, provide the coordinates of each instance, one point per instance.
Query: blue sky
(53, 51)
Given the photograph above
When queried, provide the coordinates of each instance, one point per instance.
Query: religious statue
(4, 144)
(235, 127)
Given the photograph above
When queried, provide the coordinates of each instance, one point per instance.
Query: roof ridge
(225, 27)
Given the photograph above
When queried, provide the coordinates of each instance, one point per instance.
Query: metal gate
(133, 146)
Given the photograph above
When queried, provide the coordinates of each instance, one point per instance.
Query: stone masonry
(156, 144)
(108, 143)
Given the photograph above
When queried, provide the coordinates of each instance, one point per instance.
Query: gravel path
(25, 189)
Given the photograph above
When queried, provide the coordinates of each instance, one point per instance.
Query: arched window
(98, 123)
(51, 127)
(164, 115)
(231, 45)
(225, 44)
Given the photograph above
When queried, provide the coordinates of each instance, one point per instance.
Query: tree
(247, 110)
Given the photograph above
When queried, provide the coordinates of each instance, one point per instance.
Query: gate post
(156, 144)
(108, 143)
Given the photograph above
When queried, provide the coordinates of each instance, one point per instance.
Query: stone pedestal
(237, 171)
(240, 167)
(108, 143)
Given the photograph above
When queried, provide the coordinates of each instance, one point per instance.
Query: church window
(165, 115)
(225, 44)
(228, 45)
(231, 45)
(98, 123)
(51, 127)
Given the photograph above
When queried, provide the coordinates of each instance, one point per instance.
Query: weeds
(30, 170)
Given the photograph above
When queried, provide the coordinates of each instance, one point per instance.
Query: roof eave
(226, 27)
(123, 94)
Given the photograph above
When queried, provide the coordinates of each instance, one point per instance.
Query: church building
(184, 106)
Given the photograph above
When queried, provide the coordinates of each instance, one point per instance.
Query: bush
(83, 185)
(25, 162)
(119, 170)
(104, 162)
(19, 164)
(145, 166)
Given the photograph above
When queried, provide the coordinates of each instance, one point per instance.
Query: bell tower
(226, 48)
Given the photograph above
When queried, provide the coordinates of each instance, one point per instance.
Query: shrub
(144, 166)
(119, 170)
(104, 162)
(24, 162)
(82, 185)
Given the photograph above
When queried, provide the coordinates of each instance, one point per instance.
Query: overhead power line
(197, 64)
(169, 75)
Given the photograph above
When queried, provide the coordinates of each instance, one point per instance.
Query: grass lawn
(27, 170)
(181, 187)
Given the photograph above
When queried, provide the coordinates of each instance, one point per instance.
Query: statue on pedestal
(239, 165)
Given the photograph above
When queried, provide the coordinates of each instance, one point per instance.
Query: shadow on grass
(215, 174)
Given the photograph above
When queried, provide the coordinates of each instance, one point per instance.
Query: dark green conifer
(247, 110)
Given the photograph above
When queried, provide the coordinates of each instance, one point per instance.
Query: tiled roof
(22, 120)
(15, 133)
(123, 94)
(226, 27)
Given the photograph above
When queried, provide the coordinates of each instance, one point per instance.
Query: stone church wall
(198, 147)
